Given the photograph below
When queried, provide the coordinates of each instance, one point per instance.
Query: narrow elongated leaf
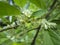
(6, 9)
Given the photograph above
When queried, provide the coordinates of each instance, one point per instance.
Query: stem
(37, 32)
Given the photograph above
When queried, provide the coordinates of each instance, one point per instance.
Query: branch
(8, 27)
(50, 9)
(53, 4)
(27, 31)
(33, 42)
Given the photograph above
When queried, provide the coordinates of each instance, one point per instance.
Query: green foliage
(27, 16)
(55, 37)
(39, 13)
(6, 9)
(39, 3)
(20, 3)
(47, 39)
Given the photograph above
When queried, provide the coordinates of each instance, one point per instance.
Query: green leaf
(57, 22)
(47, 39)
(3, 40)
(15, 43)
(20, 3)
(55, 37)
(6, 42)
(55, 15)
(33, 8)
(6, 9)
(38, 14)
(39, 3)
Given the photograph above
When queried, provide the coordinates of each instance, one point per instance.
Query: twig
(52, 6)
(7, 28)
(27, 31)
(37, 31)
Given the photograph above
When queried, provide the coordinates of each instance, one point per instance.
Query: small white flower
(47, 24)
(12, 38)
